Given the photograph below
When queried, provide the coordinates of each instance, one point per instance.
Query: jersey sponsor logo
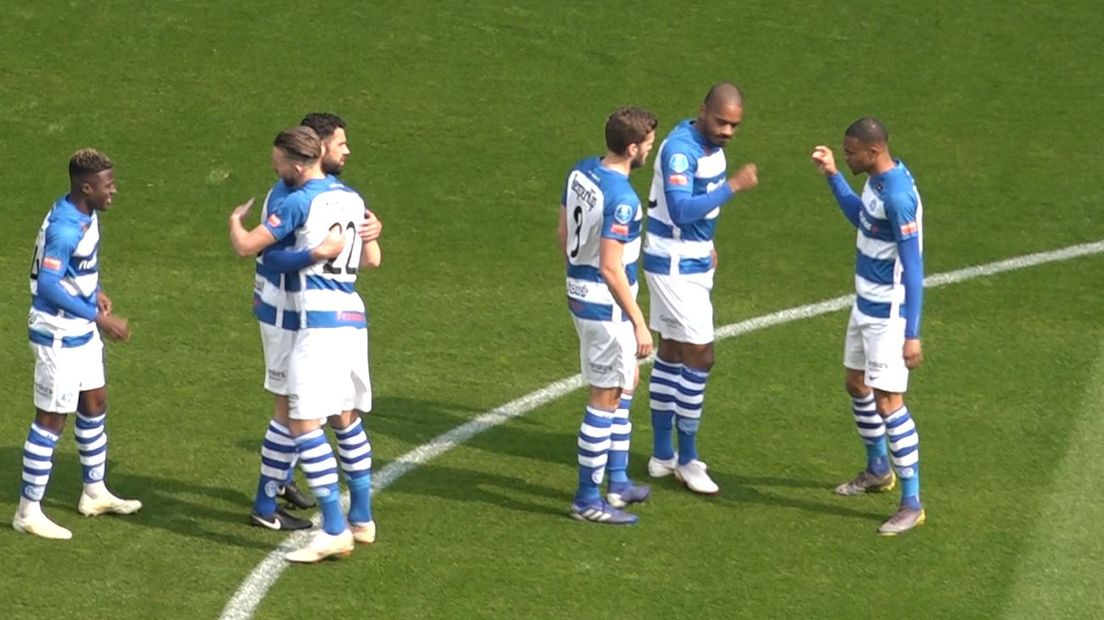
(909, 229)
(678, 179)
(88, 263)
(678, 163)
(577, 290)
(274, 220)
(623, 213)
(51, 263)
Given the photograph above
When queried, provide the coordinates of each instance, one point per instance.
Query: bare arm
(610, 253)
(370, 232)
(561, 231)
(247, 242)
(370, 256)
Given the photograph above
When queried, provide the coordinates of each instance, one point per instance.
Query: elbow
(239, 249)
(609, 272)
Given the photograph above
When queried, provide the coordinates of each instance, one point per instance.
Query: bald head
(868, 130)
(724, 94)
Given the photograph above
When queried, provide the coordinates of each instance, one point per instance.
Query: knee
(94, 404)
(703, 358)
(53, 422)
(888, 402)
(344, 420)
(856, 387)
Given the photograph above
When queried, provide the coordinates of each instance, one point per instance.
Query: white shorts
(681, 309)
(607, 352)
(328, 373)
(876, 346)
(61, 374)
(277, 344)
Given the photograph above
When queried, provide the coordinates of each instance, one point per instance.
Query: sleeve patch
(623, 213)
(678, 163)
(51, 263)
(620, 229)
(274, 220)
(678, 179)
(909, 229)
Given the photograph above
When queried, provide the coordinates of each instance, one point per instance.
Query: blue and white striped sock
(38, 457)
(593, 452)
(277, 456)
(872, 431)
(904, 446)
(691, 396)
(662, 391)
(354, 453)
(316, 459)
(620, 433)
(92, 448)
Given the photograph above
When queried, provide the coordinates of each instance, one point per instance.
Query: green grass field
(463, 121)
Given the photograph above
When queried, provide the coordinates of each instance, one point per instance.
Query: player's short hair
(868, 130)
(724, 93)
(87, 162)
(628, 125)
(323, 123)
(300, 143)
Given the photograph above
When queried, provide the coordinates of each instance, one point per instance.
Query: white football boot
(364, 533)
(660, 468)
(694, 477)
(31, 520)
(322, 546)
(105, 502)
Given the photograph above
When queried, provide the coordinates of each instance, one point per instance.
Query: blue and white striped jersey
(687, 163)
(65, 277)
(600, 204)
(891, 213)
(273, 301)
(327, 293)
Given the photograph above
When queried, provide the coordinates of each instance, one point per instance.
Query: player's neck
(882, 165)
(620, 163)
(311, 175)
(80, 204)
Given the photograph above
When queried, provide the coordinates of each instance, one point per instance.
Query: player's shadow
(465, 485)
(177, 506)
(737, 489)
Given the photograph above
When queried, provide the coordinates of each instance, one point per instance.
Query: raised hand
(242, 210)
(824, 160)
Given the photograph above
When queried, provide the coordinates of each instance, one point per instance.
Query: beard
(333, 167)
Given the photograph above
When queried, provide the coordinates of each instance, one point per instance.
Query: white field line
(252, 591)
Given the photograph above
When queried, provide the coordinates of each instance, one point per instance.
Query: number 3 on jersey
(349, 259)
